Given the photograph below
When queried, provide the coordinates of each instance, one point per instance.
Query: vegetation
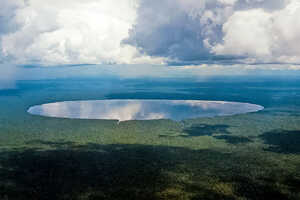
(244, 157)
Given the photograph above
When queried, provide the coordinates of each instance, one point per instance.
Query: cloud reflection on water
(124, 110)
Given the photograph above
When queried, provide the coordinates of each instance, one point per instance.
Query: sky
(185, 33)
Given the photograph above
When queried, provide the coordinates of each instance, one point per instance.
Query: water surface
(124, 110)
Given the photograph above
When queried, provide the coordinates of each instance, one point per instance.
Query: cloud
(246, 34)
(8, 76)
(240, 31)
(178, 30)
(263, 36)
(61, 32)
(7, 12)
(150, 32)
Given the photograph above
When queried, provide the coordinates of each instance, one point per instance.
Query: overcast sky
(179, 32)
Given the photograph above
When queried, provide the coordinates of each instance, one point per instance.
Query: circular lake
(124, 110)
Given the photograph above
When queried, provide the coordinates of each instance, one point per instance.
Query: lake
(124, 110)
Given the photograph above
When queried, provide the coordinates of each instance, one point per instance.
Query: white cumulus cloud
(157, 31)
(263, 36)
(61, 32)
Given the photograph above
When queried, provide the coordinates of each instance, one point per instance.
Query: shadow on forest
(218, 131)
(59, 144)
(233, 139)
(282, 141)
(140, 172)
(206, 130)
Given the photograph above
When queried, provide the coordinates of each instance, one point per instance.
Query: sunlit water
(124, 110)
